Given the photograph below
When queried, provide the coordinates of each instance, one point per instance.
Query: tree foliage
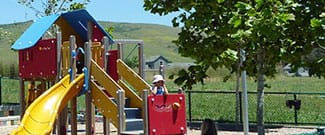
(132, 62)
(269, 31)
(48, 7)
(6, 35)
(213, 30)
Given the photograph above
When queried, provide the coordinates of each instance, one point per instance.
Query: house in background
(154, 62)
(301, 71)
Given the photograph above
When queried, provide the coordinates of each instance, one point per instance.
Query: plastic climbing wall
(39, 61)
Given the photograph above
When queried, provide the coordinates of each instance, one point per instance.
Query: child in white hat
(159, 87)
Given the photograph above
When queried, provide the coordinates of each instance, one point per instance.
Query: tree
(269, 31)
(5, 35)
(132, 62)
(48, 7)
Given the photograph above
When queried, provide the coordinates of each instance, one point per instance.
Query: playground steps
(133, 120)
(134, 124)
(132, 113)
(137, 132)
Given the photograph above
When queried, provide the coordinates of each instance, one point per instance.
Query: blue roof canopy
(30, 37)
(76, 19)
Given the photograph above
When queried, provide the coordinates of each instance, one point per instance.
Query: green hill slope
(8, 34)
(157, 39)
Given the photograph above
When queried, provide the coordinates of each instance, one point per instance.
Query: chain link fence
(279, 107)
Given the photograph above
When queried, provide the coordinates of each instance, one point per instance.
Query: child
(159, 87)
(208, 127)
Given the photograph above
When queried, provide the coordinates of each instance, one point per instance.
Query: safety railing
(9, 120)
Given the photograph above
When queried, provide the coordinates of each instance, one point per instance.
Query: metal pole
(238, 97)
(58, 52)
(120, 105)
(240, 107)
(245, 105)
(73, 101)
(58, 70)
(120, 50)
(88, 93)
(73, 57)
(89, 108)
(88, 113)
(161, 69)
(145, 94)
(106, 122)
(141, 60)
(59, 66)
(244, 87)
(106, 46)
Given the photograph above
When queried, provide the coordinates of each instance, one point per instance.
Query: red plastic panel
(97, 37)
(164, 116)
(38, 61)
(112, 64)
(97, 34)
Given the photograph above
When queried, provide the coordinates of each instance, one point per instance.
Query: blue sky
(103, 10)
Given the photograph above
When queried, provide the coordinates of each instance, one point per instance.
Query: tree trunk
(260, 92)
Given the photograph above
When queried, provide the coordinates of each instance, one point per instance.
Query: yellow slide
(40, 115)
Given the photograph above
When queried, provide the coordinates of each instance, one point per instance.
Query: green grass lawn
(9, 90)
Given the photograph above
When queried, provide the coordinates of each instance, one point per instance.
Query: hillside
(157, 39)
(8, 34)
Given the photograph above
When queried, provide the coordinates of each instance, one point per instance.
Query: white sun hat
(157, 78)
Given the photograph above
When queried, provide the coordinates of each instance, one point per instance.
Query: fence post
(141, 60)
(296, 113)
(240, 107)
(120, 50)
(190, 108)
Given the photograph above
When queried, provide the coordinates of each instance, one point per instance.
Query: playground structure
(60, 69)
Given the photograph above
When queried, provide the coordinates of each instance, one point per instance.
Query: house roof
(156, 58)
(77, 20)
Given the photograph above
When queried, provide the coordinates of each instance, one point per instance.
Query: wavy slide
(41, 114)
